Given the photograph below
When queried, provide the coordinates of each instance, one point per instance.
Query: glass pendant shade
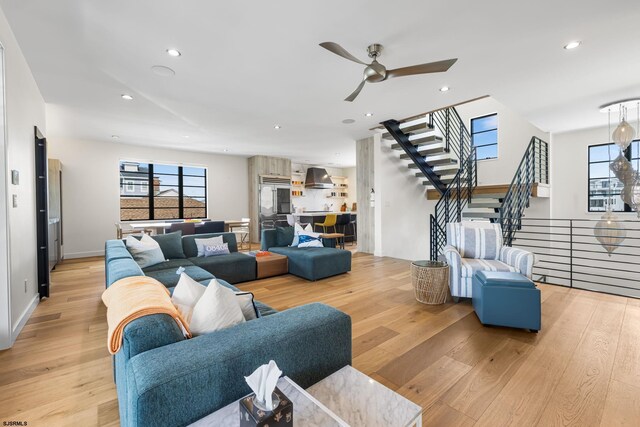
(609, 232)
(623, 135)
(622, 168)
(631, 193)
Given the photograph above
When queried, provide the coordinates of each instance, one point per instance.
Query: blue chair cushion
(497, 278)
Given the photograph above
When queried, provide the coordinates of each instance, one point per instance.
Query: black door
(42, 214)
(283, 200)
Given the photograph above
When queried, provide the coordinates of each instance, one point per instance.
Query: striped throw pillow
(480, 243)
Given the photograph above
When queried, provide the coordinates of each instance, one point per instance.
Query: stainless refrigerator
(274, 201)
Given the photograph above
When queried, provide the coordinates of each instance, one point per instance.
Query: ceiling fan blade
(431, 67)
(339, 50)
(355, 93)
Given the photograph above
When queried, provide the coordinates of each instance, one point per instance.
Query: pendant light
(609, 232)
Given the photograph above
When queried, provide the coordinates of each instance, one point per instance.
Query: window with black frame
(484, 136)
(602, 182)
(151, 191)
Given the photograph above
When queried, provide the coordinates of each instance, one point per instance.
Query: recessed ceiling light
(444, 89)
(368, 114)
(173, 52)
(186, 136)
(226, 150)
(276, 126)
(126, 96)
(348, 121)
(572, 45)
(115, 137)
(337, 154)
(162, 71)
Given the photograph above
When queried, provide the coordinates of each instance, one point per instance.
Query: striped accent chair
(478, 246)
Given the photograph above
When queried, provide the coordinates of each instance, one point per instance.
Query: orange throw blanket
(134, 297)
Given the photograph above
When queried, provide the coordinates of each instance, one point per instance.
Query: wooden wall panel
(364, 183)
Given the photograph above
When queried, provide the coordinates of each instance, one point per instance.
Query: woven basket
(430, 283)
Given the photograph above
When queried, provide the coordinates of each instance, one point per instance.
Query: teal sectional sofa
(308, 263)
(235, 267)
(163, 379)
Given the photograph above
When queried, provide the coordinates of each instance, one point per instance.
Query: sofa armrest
(268, 239)
(452, 257)
(519, 259)
(149, 332)
(308, 343)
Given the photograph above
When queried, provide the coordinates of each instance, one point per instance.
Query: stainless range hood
(318, 178)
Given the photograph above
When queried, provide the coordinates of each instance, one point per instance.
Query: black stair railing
(450, 206)
(533, 168)
(393, 127)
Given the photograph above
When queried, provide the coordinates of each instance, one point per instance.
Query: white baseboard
(26, 314)
(74, 255)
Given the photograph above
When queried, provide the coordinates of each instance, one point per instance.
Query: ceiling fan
(376, 72)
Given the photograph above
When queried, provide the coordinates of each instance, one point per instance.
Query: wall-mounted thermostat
(15, 177)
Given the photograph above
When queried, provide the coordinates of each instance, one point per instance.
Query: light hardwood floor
(582, 369)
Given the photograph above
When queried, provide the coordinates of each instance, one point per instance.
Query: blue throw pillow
(284, 236)
(309, 240)
(213, 250)
(171, 244)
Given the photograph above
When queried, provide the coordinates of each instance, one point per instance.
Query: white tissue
(180, 270)
(263, 381)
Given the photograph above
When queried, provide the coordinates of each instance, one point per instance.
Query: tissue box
(282, 416)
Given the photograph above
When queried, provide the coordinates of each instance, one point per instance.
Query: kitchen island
(315, 217)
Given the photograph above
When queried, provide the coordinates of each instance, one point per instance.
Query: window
(484, 136)
(603, 182)
(177, 192)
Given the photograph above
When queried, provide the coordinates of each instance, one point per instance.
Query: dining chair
(329, 221)
(123, 230)
(187, 228)
(210, 227)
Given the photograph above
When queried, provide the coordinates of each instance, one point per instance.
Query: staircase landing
(492, 191)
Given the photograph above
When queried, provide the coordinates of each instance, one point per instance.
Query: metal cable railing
(450, 206)
(568, 254)
(533, 168)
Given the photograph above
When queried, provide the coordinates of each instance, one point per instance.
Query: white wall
(24, 110)
(514, 134)
(401, 203)
(570, 172)
(90, 187)
(316, 199)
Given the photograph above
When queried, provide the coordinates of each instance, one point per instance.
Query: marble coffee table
(346, 398)
(361, 401)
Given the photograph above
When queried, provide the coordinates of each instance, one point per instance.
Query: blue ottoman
(506, 299)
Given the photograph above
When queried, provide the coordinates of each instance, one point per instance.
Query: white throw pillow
(249, 310)
(146, 251)
(186, 295)
(217, 309)
(310, 240)
(296, 233)
(211, 241)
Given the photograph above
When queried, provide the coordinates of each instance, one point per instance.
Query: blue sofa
(308, 263)
(235, 267)
(163, 379)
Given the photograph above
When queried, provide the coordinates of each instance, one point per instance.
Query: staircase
(437, 145)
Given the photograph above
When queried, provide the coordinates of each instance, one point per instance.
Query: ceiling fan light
(444, 89)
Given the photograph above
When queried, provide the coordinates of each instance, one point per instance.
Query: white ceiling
(248, 65)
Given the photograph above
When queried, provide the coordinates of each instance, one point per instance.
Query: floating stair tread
(431, 150)
(492, 215)
(443, 163)
(488, 196)
(418, 142)
(444, 180)
(485, 205)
